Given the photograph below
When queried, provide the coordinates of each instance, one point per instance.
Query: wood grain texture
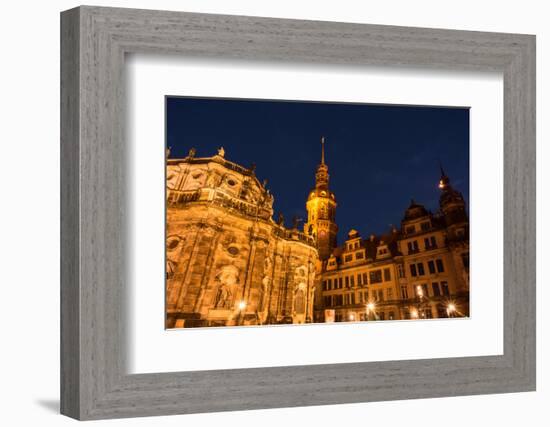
(95, 236)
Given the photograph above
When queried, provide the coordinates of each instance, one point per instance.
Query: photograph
(298, 212)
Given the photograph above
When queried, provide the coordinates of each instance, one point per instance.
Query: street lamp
(414, 313)
(351, 317)
(371, 308)
(451, 309)
(241, 306)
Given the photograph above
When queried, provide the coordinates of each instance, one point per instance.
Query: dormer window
(382, 252)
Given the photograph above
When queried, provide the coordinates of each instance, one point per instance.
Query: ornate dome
(414, 211)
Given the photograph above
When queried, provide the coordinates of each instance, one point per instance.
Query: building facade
(227, 261)
(420, 271)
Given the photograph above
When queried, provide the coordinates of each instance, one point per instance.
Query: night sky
(379, 156)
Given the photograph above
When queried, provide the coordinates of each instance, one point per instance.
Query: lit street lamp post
(451, 309)
(241, 306)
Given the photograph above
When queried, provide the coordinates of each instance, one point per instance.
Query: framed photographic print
(303, 212)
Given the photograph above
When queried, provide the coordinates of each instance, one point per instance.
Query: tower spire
(444, 181)
(322, 150)
(441, 169)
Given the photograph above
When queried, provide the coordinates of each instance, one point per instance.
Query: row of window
(341, 317)
(417, 269)
(437, 289)
(352, 246)
(363, 297)
(411, 229)
(358, 255)
(429, 244)
(362, 279)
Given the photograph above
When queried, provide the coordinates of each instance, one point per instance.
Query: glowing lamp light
(451, 307)
(242, 305)
(414, 314)
(351, 317)
(441, 184)
(370, 306)
(419, 291)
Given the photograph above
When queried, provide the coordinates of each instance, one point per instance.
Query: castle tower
(453, 207)
(321, 211)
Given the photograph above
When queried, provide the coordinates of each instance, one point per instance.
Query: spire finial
(322, 150)
(441, 169)
(444, 181)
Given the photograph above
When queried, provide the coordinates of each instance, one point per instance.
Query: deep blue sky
(379, 156)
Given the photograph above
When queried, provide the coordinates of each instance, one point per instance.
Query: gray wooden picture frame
(94, 382)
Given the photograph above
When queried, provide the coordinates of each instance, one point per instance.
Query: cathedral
(229, 263)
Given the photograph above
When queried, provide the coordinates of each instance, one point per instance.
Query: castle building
(418, 271)
(229, 263)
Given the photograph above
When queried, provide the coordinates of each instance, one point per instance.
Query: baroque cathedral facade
(229, 263)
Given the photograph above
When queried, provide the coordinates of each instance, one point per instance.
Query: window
(425, 226)
(359, 280)
(410, 229)
(430, 243)
(348, 258)
(387, 275)
(324, 285)
(380, 295)
(375, 276)
(389, 294)
(391, 315)
(425, 290)
(435, 289)
(329, 286)
(352, 281)
(328, 301)
(332, 263)
(413, 270)
(431, 267)
(412, 246)
(445, 288)
(404, 292)
(352, 298)
(339, 283)
(381, 316)
(365, 280)
(400, 271)
(439, 264)
(359, 255)
(420, 268)
(347, 281)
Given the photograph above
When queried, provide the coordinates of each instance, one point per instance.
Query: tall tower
(321, 211)
(453, 207)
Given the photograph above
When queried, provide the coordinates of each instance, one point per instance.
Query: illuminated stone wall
(227, 261)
